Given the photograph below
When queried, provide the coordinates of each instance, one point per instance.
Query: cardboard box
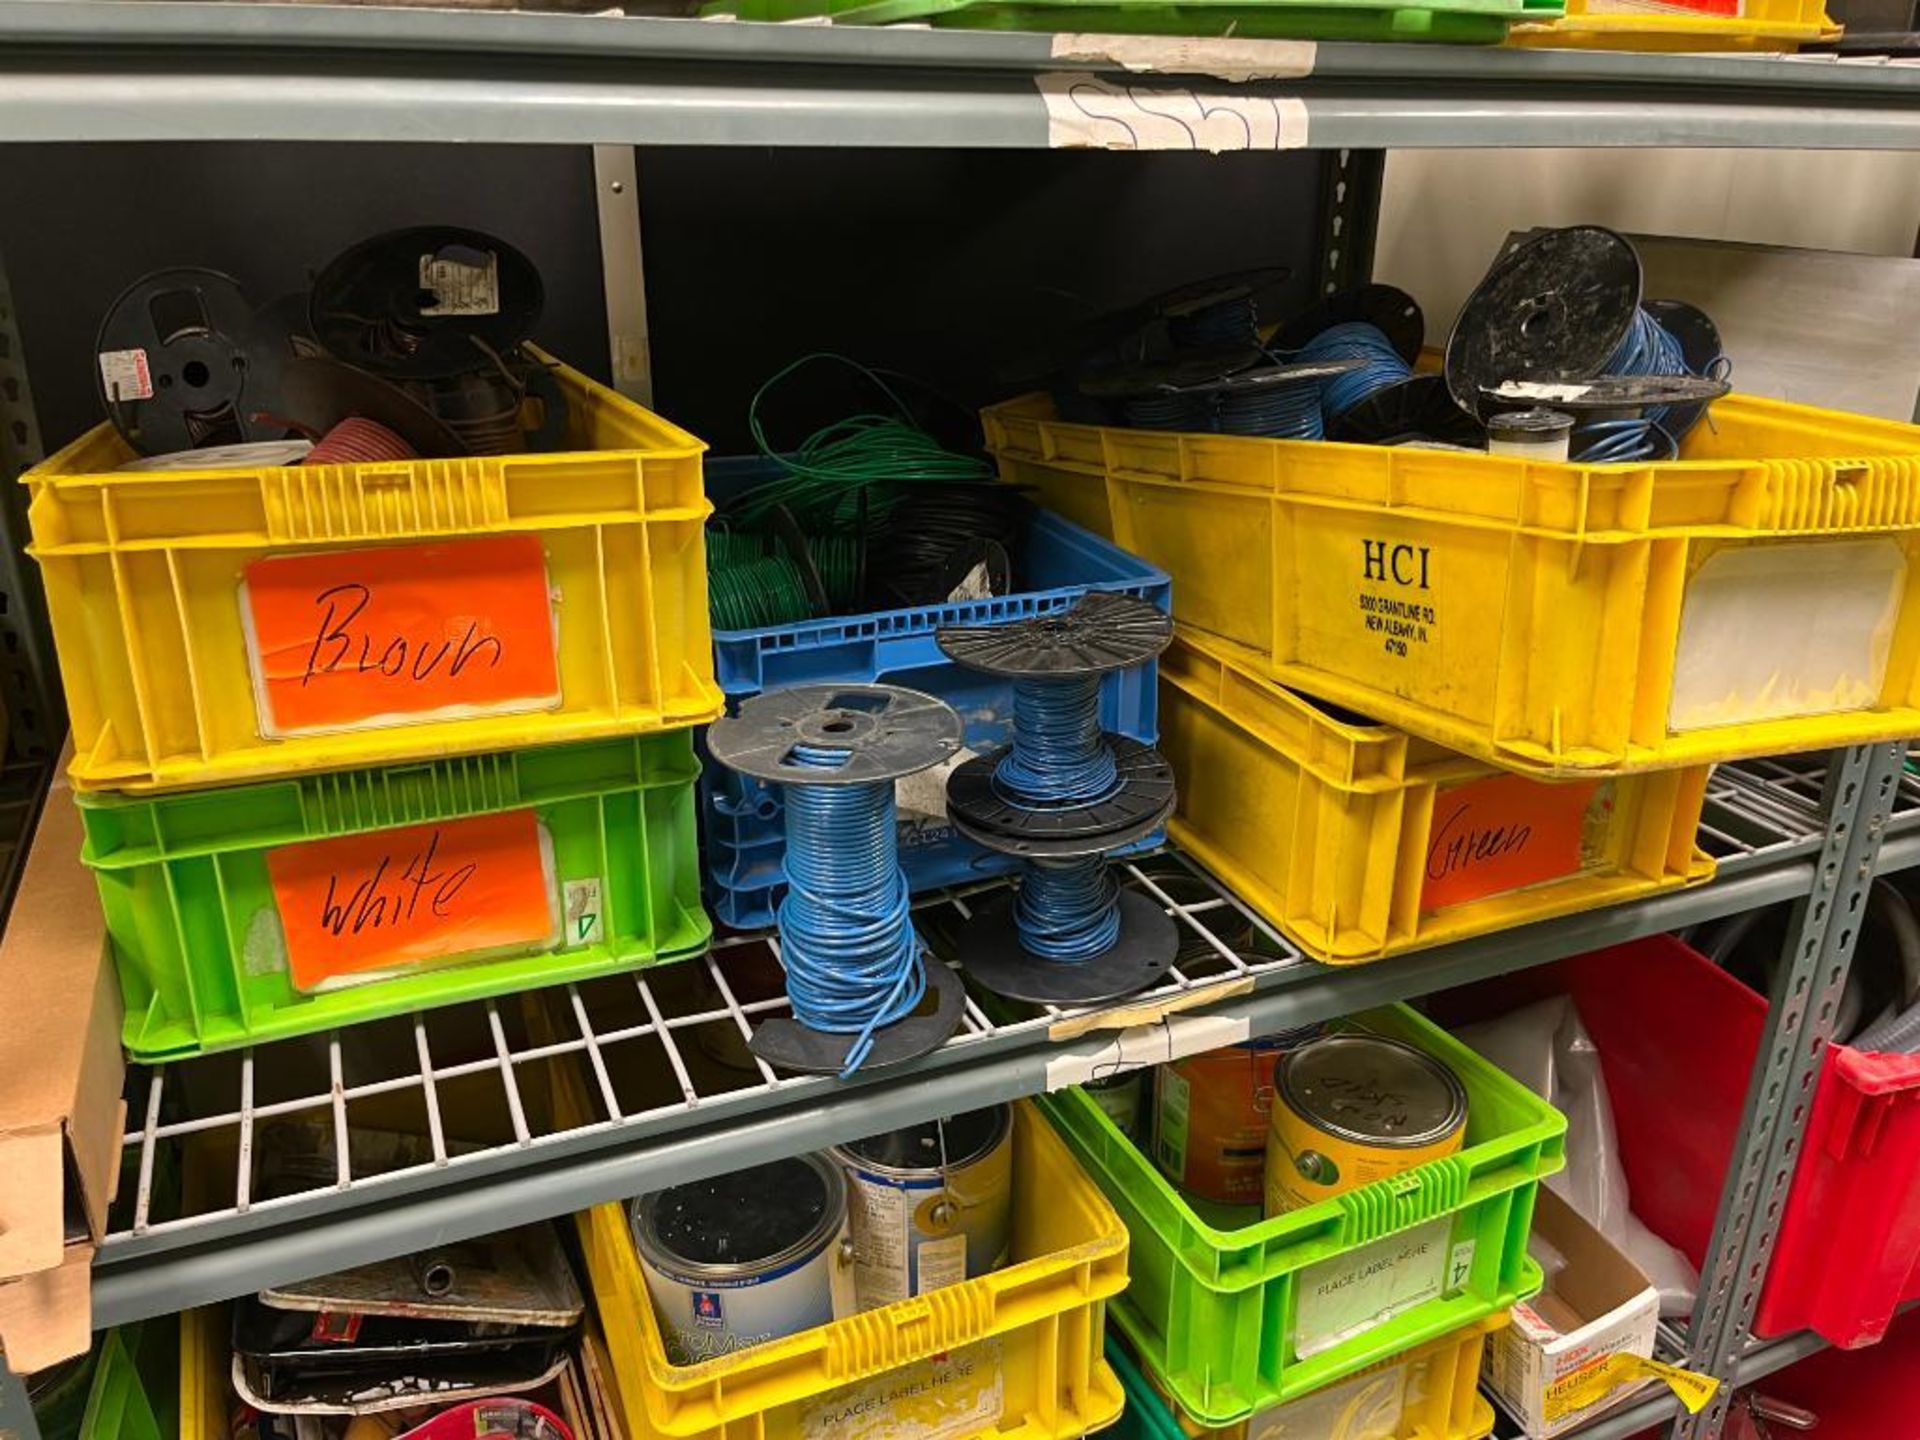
(61, 1077)
(1596, 1303)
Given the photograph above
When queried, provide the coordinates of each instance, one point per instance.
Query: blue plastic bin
(741, 817)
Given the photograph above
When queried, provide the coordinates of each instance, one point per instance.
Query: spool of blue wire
(1381, 364)
(1648, 349)
(1231, 323)
(1168, 410)
(852, 958)
(1274, 412)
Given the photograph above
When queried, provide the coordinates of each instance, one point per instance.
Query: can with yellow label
(1353, 1108)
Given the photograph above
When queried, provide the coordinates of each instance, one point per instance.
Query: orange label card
(1500, 834)
(412, 895)
(397, 633)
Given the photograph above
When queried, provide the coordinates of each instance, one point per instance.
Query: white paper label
(461, 286)
(1173, 1097)
(1088, 113)
(125, 376)
(942, 1262)
(1161, 1043)
(879, 1216)
(940, 1398)
(585, 924)
(1339, 1298)
(1367, 1407)
(1460, 1266)
(976, 584)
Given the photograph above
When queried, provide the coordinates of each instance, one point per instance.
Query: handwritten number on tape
(340, 639)
(1086, 112)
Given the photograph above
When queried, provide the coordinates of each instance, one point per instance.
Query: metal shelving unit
(661, 1051)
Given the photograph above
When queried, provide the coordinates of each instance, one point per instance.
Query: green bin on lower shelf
(1468, 22)
(127, 1388)
(251, 913)
(1246, 1313)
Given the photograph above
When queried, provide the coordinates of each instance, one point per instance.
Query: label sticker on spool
(1341, 1297)
(361, 907)
(124, 375)
(461, 286)
(1504, 833)
(939, 1398)
(397, 634)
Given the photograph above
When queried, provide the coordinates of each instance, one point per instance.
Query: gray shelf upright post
(16, 1410)
(1861, 783)
(1350, 208)
(29, 680)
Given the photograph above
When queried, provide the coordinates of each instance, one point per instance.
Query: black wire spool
(481, 407)
(1700, 343)
(1554, 308)
(1387, 308)
(1270, 400)
(1605, 394)
(1099, 634)
(426, 303)
(189, 332)
(1219, 312)
(883, 733)
(934, 536)
(318, 393)
(1417, 408)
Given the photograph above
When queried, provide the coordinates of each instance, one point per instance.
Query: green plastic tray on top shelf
(1465, 22)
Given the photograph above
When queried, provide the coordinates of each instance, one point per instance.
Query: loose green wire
(871, 452)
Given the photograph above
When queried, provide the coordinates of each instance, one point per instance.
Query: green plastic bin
(1237, 1313)
(128, 1388)
(1468, 22)
(199, 941)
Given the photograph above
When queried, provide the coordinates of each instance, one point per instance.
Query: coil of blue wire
(1649, 348)
(1223, 324)
(1066, 911)
(847, 940)
(1381, 364)
(1290, 411)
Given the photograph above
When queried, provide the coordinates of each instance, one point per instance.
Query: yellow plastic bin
(206, 1383)
(1757, 596)
(215, 626)
(1360, 841)
(1752, 25)
(1014, 1354)
(1430, 1393)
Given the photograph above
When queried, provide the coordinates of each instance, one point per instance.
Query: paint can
(1210, 1120)
(1353, 1108)
(743, 1258)
(930, 1205)
(1121, 1097)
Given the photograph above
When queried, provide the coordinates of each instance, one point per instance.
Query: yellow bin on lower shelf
(1360, 841)
(1753, 25)
(1014, 1354)
(1430, 1393)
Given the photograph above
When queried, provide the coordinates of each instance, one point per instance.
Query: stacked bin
(1419, 695)
(355, 739)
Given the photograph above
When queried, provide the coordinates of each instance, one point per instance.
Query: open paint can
(1353, 1108)
(743, 1258)
(1210, 1120)
(930, 1205)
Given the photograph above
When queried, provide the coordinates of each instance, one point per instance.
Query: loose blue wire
(1354, 340)
(1059, 758)
(846, 929)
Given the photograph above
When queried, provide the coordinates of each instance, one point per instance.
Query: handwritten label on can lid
(361, 906)
(346, 639)
(939, 1398)
(1503, 833)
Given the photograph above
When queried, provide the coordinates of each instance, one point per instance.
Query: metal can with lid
(1210, 1117)
(1120, 1097)
(743, 1258)
(930, 1205)
(1353, 1108)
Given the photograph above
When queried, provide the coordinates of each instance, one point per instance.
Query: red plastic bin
(1677, 1038)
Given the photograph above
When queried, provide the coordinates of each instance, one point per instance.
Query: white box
(1596, 1303)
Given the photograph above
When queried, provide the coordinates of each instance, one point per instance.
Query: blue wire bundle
(1223, 324)
(846, 929)
(1354, 340)
(1274, 412)
(1165, 411)
(1066, 911)
(1648, 349)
